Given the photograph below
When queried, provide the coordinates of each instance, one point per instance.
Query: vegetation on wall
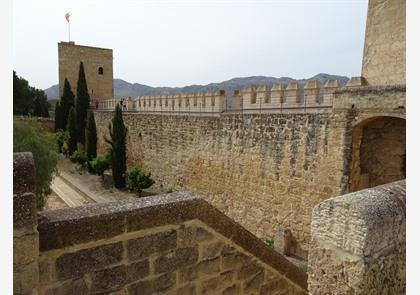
(118, 132)
(82, 104)
(27, 137)
(28, 100)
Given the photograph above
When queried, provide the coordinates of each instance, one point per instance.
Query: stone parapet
(358, 243)
(168, 243)
(25, 234)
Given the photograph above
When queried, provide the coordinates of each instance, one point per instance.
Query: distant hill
(125, 89)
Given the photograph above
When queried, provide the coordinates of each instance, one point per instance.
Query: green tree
(66, 102)
(28, 138)
(91, 139)
(139, 179)
(28, 100)
(82, 104)
(101, 163)
(58, 117)
(118, 132)
(41, 103)
(71, 128)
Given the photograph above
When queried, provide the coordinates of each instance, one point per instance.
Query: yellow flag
(67, 15)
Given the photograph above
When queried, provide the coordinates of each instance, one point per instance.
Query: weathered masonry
(98, 65)
(168, 244)
(268, 165)
(268, 171)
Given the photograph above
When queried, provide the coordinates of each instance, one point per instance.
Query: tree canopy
(28, 100)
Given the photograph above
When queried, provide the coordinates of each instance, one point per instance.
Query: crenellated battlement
(291, 98)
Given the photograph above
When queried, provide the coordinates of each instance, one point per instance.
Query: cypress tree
(67, 101)
(58, 117)
(91, 139)
(82, 104)
(118, 132)
(71, 128)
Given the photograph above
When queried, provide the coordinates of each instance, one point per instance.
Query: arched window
(100, 71)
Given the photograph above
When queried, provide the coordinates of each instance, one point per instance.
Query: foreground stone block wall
(264, 171)
(25, 233)
(169, 244)
(358, 243)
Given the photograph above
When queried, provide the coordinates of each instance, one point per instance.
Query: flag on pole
(67, 15)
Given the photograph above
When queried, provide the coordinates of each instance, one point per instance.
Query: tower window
(101, 71)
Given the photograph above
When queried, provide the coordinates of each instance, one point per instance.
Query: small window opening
(101, 71)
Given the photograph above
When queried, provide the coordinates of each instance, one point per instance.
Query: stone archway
(378, 152)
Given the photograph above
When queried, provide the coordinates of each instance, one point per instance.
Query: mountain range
(126, 89)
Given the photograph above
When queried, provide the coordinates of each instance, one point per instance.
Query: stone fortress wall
(266, 171)
(98, 65)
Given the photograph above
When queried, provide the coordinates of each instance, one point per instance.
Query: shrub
(139, 179)
(61, 138)
(101, 163)
(79, 157)
(27, 138)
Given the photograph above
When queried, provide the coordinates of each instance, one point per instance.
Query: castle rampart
(292, 98)
(264, 170)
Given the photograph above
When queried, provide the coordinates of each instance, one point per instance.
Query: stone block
(75, 264)
(211, 250)
(25, 278)
(157, 243)
(75, 286)
(114, 278)
(188, 289)
(234, 260)
(209, 266)
(25, 249)
(175, 259)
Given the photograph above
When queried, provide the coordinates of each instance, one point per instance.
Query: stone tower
(97, 64)
(384, 52)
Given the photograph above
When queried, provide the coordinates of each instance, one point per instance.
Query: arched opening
(100, 70)
(378, 152)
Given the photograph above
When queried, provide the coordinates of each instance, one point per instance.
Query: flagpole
(69, 28)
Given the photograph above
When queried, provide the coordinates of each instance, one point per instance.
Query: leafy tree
(66, 102)
(28, 100)
(71, 128)
(91, 139)
(101, 163)
(82, 104)
(28, 138)
(139, 179)
(79, 157)
(118, 132)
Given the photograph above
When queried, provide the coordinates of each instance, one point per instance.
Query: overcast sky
(178, 43)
